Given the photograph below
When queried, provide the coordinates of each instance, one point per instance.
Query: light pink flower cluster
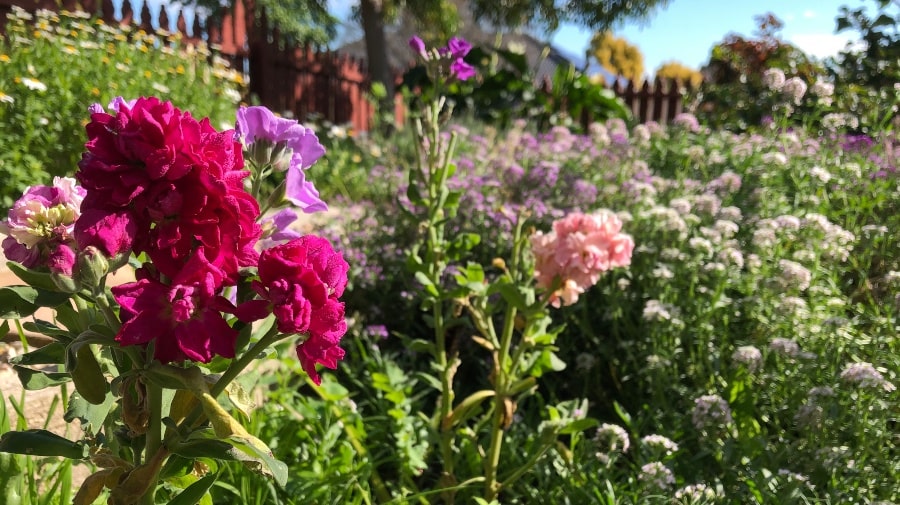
(581, 247)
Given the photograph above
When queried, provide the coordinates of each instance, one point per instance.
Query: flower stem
(153, 440)
(503, 379)
(240, 364)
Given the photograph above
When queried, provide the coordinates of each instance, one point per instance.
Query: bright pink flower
(110, 232)
(169, 183)
(300, 282)
(180, 319)
(580, 248)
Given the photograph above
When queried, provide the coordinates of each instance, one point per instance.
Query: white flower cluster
(656, 475)
(660, 444)
(695, 493)
(748, 356)
(710, 411)
(612, 438)
(794, 275)
(865, 375)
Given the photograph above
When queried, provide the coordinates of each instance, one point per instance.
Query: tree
(618, 56)
(600, 15)
(298, 21)
(680, 72)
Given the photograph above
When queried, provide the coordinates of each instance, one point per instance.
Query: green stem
(503, 378)
(240, 364)
(153, 440)
(491, 486)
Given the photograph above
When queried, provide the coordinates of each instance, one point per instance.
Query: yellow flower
(95, 91)
(148, 74)
(179, 69)
(105, 60)
(4, 58)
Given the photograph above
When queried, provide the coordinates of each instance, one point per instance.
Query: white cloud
(820, 45)
(809, 14)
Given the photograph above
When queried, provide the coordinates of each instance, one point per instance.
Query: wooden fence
(303, 81)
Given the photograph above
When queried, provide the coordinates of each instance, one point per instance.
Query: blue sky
(687, 30)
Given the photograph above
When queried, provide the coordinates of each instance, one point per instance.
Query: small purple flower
(277, 227)
(462, 70)
(258, 124)
(416, 44)
(458, 48)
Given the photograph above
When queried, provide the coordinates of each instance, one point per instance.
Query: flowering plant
(506, 305)
(165, 195)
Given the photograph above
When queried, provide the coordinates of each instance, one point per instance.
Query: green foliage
(596, 14)
(733, 94)
(877, 64)
(505, 90)
(52, 67)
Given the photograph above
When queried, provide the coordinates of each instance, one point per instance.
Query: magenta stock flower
(260, 125)
(161, 182)
(580, 248)
(181, 319)
(42, 221)
(300, 282)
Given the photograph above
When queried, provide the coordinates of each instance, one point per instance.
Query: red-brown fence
(304, 81)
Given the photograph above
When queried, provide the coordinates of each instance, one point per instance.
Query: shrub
(54, 65)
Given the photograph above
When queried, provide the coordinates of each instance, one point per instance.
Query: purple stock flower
(277, 227)
(458, 48)
(462, 70)
(259, 124)
(416, 44)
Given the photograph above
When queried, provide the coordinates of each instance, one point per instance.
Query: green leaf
(426, 283)
(579, 425)
(33, 380)
(48, 329)
(623, 414)
(32, 277)
(17, 302)
(53, 353)
(41, 443)
(204, 443)
(89, 414)
(195, 492)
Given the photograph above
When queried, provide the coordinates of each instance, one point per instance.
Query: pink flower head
(300, 282)
(161, 182)
(580, 248)
(42, 220)
(180, 319)
(259, 125)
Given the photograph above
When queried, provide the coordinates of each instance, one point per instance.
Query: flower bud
(92, 266)
(65, 283)
(267, 153)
